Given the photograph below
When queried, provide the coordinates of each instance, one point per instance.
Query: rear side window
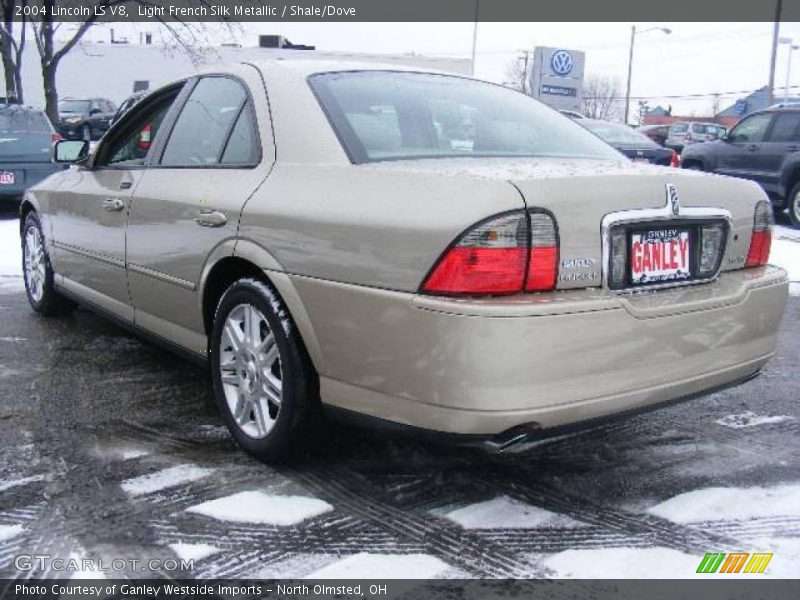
(24, 121)
(785, 128)
(241, 148)
(385, 115)
(201, 131)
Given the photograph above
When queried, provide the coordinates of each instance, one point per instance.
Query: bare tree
(601, 98)
(11, 46)
(187, 36)
(517, 72)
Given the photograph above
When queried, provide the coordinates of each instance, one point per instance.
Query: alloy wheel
(34, 263)
(250, 371)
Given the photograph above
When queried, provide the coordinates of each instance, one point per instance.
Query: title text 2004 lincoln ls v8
(427, 250)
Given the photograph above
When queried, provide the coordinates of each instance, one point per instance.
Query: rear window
(23, 121)
(620, 136)
(73, 106)
(384, 115)
(679, 128)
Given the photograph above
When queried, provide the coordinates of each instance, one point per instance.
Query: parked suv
(85, 119)
(682, 134)
(764, 147)
(26, 136)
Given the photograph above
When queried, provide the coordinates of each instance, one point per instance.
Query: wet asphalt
(86, 406)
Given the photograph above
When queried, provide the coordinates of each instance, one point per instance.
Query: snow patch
(5, 485)
(719, 503)
(750, 419)
(10, 256)
(261, 508)
(506, 513)
(383, 566)
(785, 252)
(9, 531)
(193, 551)
(167, 478)
(623, 563)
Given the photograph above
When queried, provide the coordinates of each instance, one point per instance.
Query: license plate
(641, 160)
(660, 255)
(7, 177)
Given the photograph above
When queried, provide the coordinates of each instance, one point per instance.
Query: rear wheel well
(792, 179)
(692, 162)
(222, 276)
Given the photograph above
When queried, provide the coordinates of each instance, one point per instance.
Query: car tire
(86, 133)
(38, 274)
(264, 382)
(793, 204)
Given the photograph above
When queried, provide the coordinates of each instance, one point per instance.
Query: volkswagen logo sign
(561, 62)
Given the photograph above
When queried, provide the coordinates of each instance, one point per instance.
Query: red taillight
(543, 264)
(761, 241)
(144, 138)
(55, 137)
(675, 160)
(504, 255)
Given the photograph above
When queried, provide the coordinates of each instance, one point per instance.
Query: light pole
(634, 33)
(474, 40)
(792, 48)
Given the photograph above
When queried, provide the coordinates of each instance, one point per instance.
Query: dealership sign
(556, 77)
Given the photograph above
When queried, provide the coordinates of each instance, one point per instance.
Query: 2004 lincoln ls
(428, 250)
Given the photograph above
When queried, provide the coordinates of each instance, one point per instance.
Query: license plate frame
(661, 255)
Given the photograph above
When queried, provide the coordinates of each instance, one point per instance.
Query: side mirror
(70, 151)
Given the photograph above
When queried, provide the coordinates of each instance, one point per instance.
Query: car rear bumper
(483, 367)
(25, 176)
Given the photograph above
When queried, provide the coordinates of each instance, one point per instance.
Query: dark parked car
(682, 134)
(26, 137)
(85, 119)
(657, 133)
(763, 147)
(636, 146)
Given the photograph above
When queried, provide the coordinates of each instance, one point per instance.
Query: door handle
(211, 218)
(125, 185)
(113, 204)
(752, 147)
(793, 148)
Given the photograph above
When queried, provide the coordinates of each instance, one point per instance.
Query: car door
(782, 139)
(189, 203)
(90, 211)
(741, 155)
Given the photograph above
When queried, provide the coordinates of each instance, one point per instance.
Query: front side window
(206, 120)
(384, 115)
(751, 129)
(132, 144)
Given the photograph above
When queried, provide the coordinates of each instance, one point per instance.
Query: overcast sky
(696, 58)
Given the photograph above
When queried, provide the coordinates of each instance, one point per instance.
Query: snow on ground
(258, 507)
(383, 566)
(751, 419)
(167, 478)
(193, 551)
(10, 256)
(9, 531)
(623, 563)
(509, 514)
(711, 504)
(786, 253)
(7, 485)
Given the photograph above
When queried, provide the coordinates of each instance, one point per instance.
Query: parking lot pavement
(110, 448)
